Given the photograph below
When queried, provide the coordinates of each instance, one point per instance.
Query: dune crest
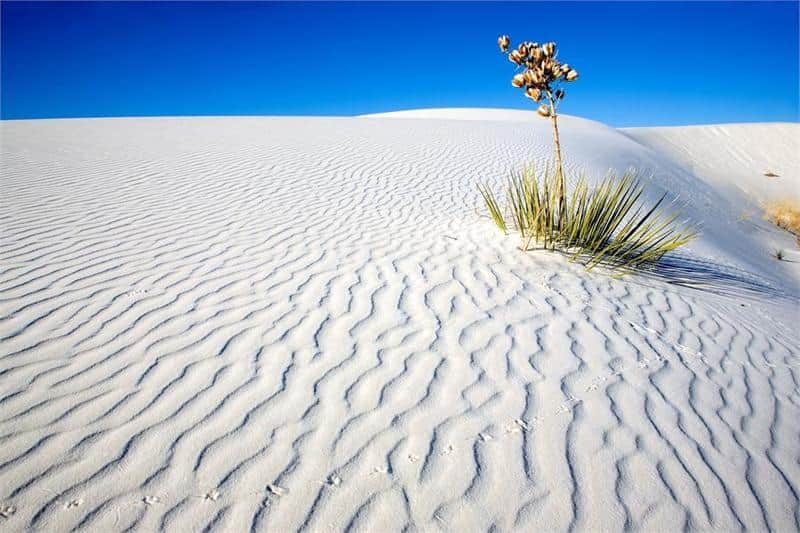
(269, 323)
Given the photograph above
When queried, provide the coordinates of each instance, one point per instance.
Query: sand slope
(304, 324)
(734, 157)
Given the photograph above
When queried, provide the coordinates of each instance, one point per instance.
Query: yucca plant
(541, 80)
(606, 224)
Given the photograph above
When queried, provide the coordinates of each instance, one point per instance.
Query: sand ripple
(287, 324)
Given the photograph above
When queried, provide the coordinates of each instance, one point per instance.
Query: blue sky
(640, 63)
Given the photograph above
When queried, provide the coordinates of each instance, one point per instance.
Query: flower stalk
(541, 80)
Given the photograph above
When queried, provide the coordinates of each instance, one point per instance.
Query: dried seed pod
(503, 41)
(565, 68)
(533, 93)
(549, 49)
(523, 49)
(528, 78)
(543, 111)
(518, 80)
(515, 57)
(572, 75)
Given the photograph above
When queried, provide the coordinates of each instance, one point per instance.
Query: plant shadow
(725, 280)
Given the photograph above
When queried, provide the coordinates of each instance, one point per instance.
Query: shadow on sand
(712, 277)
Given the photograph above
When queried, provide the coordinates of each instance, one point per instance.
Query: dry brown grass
(784, 214)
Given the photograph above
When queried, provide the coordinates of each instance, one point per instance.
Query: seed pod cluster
(542, 71)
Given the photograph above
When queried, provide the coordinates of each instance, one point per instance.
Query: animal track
(151, 500)
(275, 490)
(136, 293)
(73, 503)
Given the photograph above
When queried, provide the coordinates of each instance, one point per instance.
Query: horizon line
(375, 115)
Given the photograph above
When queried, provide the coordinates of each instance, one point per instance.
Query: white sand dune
(282, 324)
(734, 157)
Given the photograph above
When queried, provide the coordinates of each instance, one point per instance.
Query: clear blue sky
(640, 63)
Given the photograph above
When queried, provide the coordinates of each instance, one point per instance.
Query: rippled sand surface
(277, 324)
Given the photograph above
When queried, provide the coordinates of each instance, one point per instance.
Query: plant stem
(562, 193)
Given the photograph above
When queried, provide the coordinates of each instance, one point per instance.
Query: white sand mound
(304, 323)
(464, 113)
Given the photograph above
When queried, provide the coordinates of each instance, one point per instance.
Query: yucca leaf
(607, 224)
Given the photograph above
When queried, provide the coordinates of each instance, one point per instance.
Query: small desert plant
(606, 224)
(541, 80)
(778, 254)
(784, 214)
